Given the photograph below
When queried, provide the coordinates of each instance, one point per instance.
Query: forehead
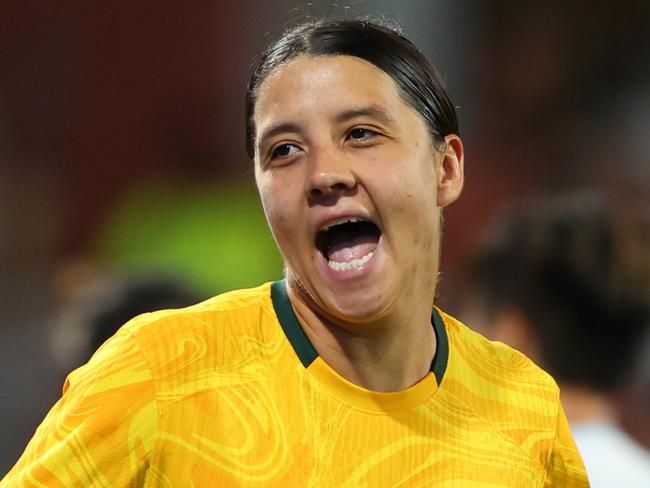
(310, 85)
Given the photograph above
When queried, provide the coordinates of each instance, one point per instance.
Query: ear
(450, 174)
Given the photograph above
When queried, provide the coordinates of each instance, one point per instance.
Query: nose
(329, 175)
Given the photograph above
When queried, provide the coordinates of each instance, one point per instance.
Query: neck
(585, 405)
(390, 354)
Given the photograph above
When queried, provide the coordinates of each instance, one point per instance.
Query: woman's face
(349, 179)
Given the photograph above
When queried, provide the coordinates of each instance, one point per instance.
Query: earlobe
(450, 172)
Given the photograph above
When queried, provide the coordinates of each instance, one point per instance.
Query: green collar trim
(439, 363)
(306, 351)
(292, 329)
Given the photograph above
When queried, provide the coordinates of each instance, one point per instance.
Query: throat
(388, 355)
(377, 363)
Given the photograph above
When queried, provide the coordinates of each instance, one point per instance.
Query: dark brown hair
(419, 82)
(578, 267)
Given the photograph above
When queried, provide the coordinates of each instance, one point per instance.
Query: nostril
(339, 186)
(329, 184)
(326, 190)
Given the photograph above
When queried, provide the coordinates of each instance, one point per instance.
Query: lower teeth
(355, 263)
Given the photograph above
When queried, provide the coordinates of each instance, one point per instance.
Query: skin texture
(335, 138)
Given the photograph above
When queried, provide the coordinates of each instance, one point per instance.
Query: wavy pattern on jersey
(251, 446)
(513, 395)
(231, 375)
(93, 418)
(215, 395)
(418, 448)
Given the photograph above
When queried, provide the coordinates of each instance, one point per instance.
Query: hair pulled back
(418, 81)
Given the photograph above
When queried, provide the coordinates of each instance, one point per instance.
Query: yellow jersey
(231, 392)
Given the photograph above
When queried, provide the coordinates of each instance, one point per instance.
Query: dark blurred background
(122, 150)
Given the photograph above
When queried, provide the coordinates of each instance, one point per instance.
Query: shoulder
(502, 388)
(184, 343)
(107, 414)
(492, 364)
(239, 309)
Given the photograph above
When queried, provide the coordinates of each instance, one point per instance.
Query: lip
(352, 274)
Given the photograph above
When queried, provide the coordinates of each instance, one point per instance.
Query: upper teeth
(340, 221)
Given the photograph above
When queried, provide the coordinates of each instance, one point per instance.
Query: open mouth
(348, 243)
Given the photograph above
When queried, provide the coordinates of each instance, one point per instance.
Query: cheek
(269, 203)
(418, 216)
(277, 211)
(274, 214)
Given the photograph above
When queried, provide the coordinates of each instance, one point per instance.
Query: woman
(343, 374)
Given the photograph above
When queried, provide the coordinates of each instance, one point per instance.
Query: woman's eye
(360, 133)
(284, 150)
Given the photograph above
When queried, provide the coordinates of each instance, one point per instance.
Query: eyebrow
(368, 111)
(277, 129)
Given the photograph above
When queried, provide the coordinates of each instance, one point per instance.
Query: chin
(355, 304)
(358, 306)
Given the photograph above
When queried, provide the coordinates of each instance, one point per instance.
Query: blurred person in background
(94, 304)
(566, 281)
(343, 373)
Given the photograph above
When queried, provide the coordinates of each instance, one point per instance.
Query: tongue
(351, 247)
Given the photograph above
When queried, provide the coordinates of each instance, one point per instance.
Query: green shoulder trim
(439, 363)
(289, 322)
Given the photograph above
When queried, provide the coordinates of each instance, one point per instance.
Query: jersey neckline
(342, 388)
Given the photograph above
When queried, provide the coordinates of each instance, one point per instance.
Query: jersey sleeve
(101, 431)
(565, 467)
